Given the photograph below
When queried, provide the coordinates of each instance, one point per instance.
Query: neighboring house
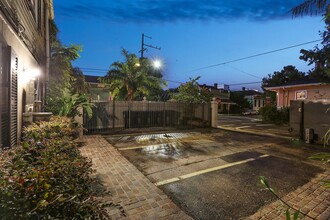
(305, 89)
(221, 95)
(255, 98)
(97, 90)
(24, 62)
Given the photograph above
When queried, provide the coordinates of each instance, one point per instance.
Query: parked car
(250, 112)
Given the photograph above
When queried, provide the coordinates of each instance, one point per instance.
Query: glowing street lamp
(157, 64)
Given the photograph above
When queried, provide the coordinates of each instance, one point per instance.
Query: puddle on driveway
(151, 138)
(168, 150)
(162, 146)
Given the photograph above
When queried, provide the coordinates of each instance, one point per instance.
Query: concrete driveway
(213, 174)
(252, 124)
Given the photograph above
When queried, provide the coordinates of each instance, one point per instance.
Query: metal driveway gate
(111, 115)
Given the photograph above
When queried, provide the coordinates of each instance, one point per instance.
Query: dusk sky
(197, 38)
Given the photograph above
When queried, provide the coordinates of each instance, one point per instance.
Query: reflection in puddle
(163, 136)
(172, 150)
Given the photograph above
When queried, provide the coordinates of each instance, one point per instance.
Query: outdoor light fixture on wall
(30, 74)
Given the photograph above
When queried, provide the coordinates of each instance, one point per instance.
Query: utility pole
(143, 45)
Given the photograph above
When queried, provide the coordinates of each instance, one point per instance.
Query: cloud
(155, 11)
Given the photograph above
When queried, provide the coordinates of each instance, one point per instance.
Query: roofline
(98, 83)
(292, 86)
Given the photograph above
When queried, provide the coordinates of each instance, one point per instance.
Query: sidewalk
(136, 196)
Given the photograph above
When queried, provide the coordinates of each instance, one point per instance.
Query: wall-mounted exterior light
(30, 74)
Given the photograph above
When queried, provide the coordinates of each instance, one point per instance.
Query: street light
(157, 64)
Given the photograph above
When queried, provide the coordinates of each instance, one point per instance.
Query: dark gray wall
(295, 117)
(314, 115)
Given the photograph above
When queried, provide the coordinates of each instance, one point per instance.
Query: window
(301, 94)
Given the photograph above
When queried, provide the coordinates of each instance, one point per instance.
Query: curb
(254, 132)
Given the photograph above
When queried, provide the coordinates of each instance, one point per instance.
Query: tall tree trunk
(130, 94)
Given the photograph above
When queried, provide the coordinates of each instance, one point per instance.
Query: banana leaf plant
(71, 103)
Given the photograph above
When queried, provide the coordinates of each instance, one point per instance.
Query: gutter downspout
(47, 54)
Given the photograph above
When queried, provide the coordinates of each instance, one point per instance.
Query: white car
(250, 112)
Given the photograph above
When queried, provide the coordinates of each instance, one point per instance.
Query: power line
(168, 80)
(92, 70)
(256, 55)
(232, 61)
(99, 70)
(258, 77)
(248, 83)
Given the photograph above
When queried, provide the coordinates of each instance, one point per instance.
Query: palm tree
(132, 77)
(311, 7)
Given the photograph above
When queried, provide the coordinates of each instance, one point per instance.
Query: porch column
(214, 113)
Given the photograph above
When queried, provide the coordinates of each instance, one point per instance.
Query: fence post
(113, 114)
(129, 114)
(214, 113)
(80, 120)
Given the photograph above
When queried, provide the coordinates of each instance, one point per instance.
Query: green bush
(46, 177)
(57, 128)
(272, 115)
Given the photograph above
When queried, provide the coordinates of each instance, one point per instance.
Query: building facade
(98, 90)
(24, 62)
(255, 99)
(222, 96)
(305, 89)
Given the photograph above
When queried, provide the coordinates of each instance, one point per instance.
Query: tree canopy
(310, 7)
(287, 74)
(190, 92)
(67, 88)
(320, 55)
(133, 78)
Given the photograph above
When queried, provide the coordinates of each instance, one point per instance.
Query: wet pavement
(213, 174)
(235, 192)
(253, 125)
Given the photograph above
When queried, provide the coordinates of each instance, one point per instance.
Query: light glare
(157, 64)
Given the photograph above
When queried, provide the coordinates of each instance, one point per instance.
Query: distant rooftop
(92, 79)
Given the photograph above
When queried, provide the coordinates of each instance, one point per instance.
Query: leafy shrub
(273, 115)
(68, 104)
(57, 128)
(47, 177)
(72, 102)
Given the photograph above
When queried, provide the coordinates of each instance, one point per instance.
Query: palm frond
(310, 7)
